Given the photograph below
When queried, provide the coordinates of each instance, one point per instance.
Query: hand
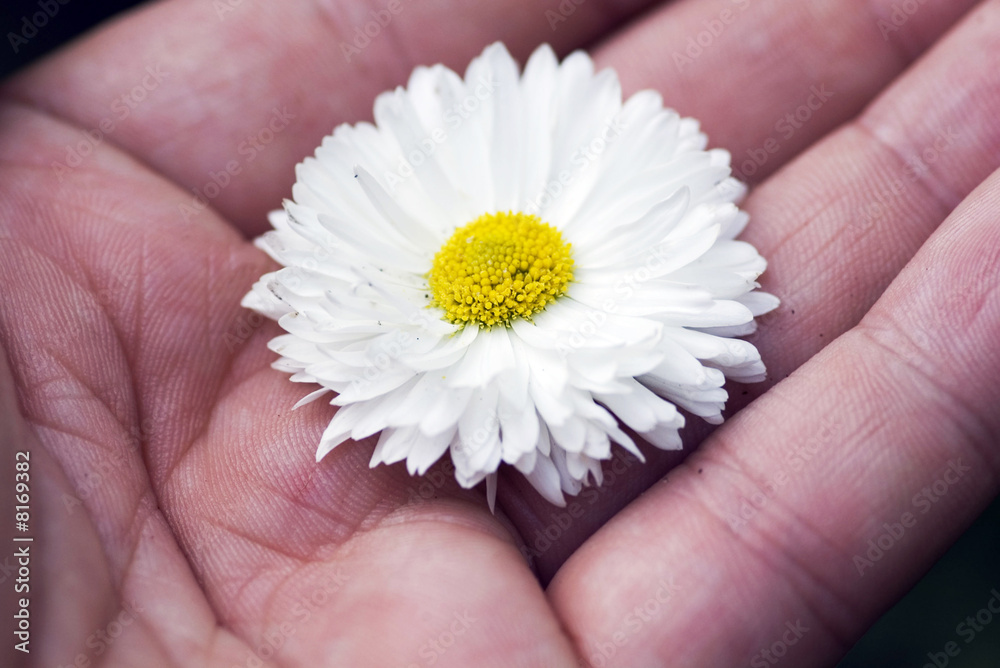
(180, 516)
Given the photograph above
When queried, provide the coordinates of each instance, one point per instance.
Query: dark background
(31, 29)
(913, 634)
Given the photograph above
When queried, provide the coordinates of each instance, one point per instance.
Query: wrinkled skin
(176, 501)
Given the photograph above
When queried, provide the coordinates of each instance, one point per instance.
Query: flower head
(510, 268)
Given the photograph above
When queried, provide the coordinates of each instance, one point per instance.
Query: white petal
(445, 410)
(427, 450)
(479, 451)
(394, 445)
(496, 82)
(759, 302)
(545, 478)
(408, 226)
(491, 491)
(665, 437)
(519, 430)
(630, 239)
(642, 410)
(311, 397)
(333, 435)
(539, 104)
(485, 358)
(660, 285)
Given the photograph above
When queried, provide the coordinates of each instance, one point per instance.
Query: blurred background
(915, 633)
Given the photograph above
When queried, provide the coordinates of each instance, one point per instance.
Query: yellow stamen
(499, 267)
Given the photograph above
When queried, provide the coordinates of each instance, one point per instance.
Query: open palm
(180, 517)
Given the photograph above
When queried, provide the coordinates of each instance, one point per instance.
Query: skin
(180, 518)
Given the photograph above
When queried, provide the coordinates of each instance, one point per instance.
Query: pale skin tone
(183, 511)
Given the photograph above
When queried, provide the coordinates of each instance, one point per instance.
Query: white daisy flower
(514, 268)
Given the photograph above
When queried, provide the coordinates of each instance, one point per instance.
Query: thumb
(55, 586)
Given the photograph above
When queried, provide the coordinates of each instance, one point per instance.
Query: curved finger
(820, 503)
(767, 79)
(226, 97)
(72, 323)
(141, 374)
(836, 227)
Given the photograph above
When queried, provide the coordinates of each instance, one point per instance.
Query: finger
(73, 322)
(336, 564)
(836, 228)
(767, 79)
(158, 400)
(45, 549)
(820, 503)
(227, 101)
(331, 563)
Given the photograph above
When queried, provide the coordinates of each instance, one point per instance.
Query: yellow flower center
(499, 267)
